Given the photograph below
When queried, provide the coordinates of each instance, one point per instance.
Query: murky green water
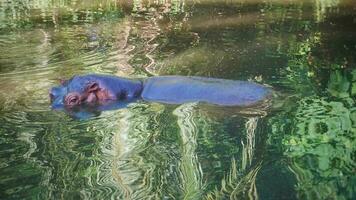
(304, 148)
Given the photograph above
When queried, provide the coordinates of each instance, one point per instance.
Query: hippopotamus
(99, 90)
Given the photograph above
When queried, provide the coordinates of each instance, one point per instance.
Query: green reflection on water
(303, 148)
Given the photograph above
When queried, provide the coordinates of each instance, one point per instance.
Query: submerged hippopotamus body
(96, 89)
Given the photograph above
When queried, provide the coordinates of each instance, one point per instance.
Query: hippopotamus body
(97, 89)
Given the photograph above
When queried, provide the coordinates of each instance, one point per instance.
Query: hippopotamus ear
(92, 87)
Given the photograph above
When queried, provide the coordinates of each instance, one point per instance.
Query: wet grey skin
(95, 89)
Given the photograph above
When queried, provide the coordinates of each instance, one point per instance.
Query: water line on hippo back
(222, 92)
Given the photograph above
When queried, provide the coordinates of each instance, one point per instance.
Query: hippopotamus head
(90, 90)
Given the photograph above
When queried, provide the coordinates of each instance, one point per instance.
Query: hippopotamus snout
(56, 96)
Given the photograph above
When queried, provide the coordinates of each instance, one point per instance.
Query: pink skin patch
(91, 98)
(104, 95)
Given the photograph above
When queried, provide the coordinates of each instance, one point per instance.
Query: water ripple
(190, 169)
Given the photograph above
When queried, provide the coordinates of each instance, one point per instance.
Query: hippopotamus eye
(72, 99)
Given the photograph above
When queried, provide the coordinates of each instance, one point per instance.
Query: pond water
(302, 148)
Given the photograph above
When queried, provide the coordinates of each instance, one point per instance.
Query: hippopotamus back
(181, 89)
